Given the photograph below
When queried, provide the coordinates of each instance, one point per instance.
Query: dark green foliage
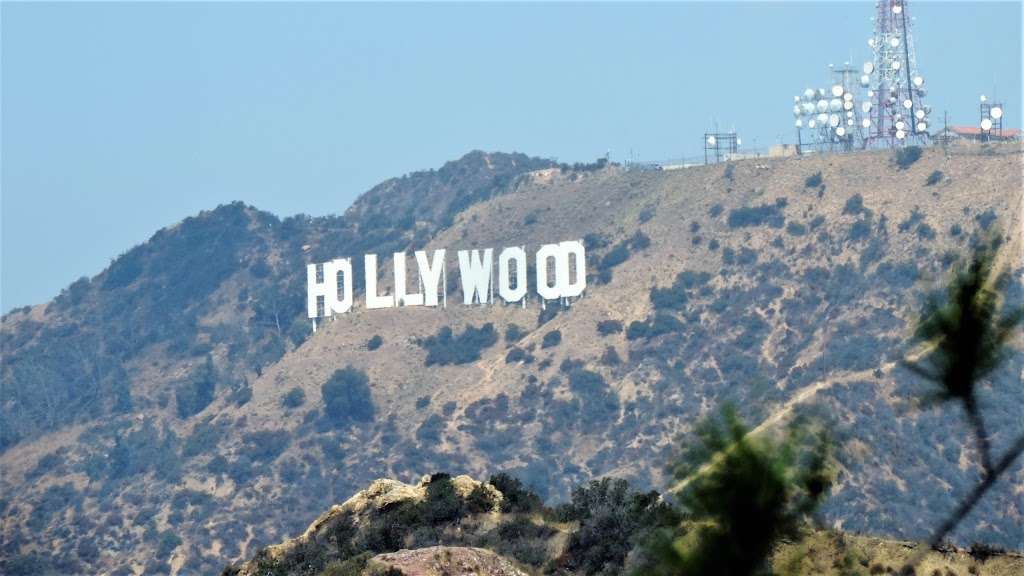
(657, 325)
(422, 402)
(447, 348)
(854, 205)
(906, 156)
(204, 439)
(599, 402)
(516, 496)
(934, 178)
(264, 446)
(513, 333)
(796, 229)
(915, 218)
(430, 430)
(955, 230)
(860, 230)
(986, 219)
(610, 357)
(374, 343)
(676, 297)
(551, 339)
(925, 232)
(594, 241)
(969, 328)
(196, 392)
(294, 398)
(347, 398)
(762, 215)
(608, 327)
(619, 254)
(715, 210)
(742, 495)
(612, 519)
(480, 500)
(814, 180)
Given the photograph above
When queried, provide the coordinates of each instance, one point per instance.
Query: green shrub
(765, 214)
(294, 398)
(446, 348)
(513, 333)
(854, 205)
(347, 397)
(906, 156)
(814, 180)
(607, 327)
(551, 339)
(196, 392)
(374, 343)
(934, 178)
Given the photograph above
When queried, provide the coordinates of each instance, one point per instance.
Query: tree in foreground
(740, 495)
(966, 333)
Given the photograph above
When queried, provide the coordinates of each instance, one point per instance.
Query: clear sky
(121, 118)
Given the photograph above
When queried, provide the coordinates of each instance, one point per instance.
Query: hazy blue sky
(119, 119)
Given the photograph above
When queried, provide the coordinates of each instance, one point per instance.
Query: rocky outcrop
(443, 561)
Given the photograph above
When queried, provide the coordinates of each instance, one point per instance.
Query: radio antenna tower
(895, 112)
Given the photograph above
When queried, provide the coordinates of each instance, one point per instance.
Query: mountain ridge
(697, 296)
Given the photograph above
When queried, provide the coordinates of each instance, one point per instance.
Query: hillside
(494, 529)
(167, 414)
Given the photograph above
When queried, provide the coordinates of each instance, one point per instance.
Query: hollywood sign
(560, 272)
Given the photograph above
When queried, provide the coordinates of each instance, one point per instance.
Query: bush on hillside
(446, 347)
(347, 397)
(906, 156)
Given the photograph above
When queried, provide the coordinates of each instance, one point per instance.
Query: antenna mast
(897, 115)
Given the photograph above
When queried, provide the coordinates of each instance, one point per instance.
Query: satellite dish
(837, 90)
(865, 107)
(849, 122)
(739, 142)
(896, 64)
(869, 67)
(822, 118)
(996, 112)
(871, 42)
(810, 123)
(871, 93)
(897, 9)
(799, 123)
(809, 108)
(821, 92)
(833, 120)
(983, 98)
(840, 131)
(835, 105)
(919, 114)
(849, 113)
(797, 110)
(848, 106)
(796, 99)
(822, 105)
(808, 94)
(986, 124)
(918, 81)
(922, 127)
(900, 134)
(908, 103)
(848, 97)
(900, 125)
(711, 140)
(865, 123)
(865, 80)
(894, 42)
